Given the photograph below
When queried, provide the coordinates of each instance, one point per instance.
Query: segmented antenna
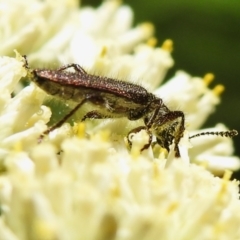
(230, 133)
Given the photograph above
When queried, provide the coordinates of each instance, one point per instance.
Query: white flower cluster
(73, 186)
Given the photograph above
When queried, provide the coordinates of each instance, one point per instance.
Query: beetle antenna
(229, 133)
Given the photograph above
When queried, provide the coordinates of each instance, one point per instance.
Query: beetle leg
(76, 67)
(63, 120)
(94, 115)
(136, 130)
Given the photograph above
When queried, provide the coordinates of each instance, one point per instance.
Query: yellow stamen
(163, 153)
(227, 175)
(102, 136)
(167, 45)
(148, 28)
(218, 229)
(116, 2)
(135, 152)
(103, 52)
(204, 164)
(208, 78)
(115, 190)
(72, 4)
(225, 181)
(17, 146)
(152, 42)
(156, 170)
(105, 135)
(79, 129)
(172, 207)
(218, 90)
(44, 230)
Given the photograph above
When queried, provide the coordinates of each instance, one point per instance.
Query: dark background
(206, 37)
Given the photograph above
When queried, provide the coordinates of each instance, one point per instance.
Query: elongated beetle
(113, 99)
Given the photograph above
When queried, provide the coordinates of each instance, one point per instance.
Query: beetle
(111, 98)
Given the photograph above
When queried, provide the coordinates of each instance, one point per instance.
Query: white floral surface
(84, 182)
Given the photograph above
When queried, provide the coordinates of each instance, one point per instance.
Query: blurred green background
(206, 37)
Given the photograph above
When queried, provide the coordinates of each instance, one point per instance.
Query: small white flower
(83, 182)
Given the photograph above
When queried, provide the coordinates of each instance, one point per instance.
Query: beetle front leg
(136, 130)
(169, 128)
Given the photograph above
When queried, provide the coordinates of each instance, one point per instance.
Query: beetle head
(169, 127)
